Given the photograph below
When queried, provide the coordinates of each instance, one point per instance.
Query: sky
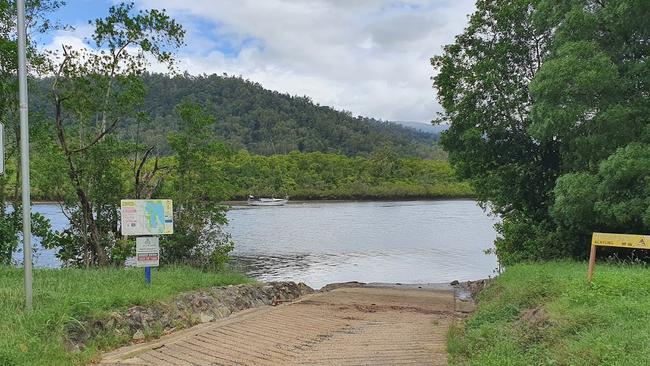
(369, 57)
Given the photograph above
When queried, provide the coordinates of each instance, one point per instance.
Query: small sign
(147, 251)
(614, 240)
(621, 240)
(147, 217)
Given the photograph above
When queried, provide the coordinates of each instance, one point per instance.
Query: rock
(334, 286)
(205, 318)
(454, 283)
(138, 336)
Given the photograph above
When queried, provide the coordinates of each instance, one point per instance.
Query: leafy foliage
(92, 91)
(332, 176)
(262, 121)
(10, 219)
(540, 94)
(197, 188)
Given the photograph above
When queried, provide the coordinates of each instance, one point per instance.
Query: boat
(253, 201)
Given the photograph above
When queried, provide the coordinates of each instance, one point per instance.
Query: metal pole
(147, 275)
(24, 148)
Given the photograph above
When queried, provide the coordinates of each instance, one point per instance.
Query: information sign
(147, 251)
(147, 217)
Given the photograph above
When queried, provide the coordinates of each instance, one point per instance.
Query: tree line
(549, 105)
(261, 121)
(309, 176)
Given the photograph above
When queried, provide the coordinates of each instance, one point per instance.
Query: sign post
(144, 219)
(614, 240)
(147, 254)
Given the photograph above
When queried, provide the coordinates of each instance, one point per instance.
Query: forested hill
(268, 122)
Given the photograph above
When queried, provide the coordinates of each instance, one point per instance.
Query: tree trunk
(86, 208)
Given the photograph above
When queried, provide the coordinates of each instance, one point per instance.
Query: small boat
(252, 201)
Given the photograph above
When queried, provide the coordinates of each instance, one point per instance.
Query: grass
(65, 296)
(546, 314)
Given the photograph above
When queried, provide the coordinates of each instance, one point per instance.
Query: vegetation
(65, 296)
(11, 213)
(90, 94)
(91, 157)
(549, 109)
(261, 121)
(546, 314)
(383, 175)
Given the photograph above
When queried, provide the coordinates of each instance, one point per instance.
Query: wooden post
(592, 263)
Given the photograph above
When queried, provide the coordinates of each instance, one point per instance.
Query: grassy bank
(65, 296)
(545, 314)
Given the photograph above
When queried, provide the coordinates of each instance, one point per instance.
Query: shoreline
(338, 200)
(322, 200)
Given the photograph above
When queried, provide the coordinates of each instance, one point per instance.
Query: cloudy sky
(369, 57)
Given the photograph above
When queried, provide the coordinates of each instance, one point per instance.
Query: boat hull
(268, 202)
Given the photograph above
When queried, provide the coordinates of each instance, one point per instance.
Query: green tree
(37, 23)
(198, 187)
(93, 91)
(538, 93)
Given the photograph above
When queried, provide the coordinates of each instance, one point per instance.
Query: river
(324, 242)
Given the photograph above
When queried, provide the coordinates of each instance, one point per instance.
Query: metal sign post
(24, 149)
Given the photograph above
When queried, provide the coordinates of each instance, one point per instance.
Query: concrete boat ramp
(347, 325)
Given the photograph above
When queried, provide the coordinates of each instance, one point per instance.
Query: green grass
(65, 296)
(546, 314)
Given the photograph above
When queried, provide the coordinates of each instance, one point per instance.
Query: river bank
(546, 313)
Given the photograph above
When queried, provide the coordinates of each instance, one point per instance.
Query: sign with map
(147, 217)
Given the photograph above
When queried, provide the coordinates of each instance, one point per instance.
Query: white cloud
(370, 57)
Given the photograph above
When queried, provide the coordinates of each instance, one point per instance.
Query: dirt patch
(535, 317)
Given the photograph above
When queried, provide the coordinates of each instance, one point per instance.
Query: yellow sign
(621, 240)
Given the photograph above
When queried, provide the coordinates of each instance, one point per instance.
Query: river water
(324, 242)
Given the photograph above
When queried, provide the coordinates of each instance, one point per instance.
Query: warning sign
(621, 240)
(147, 251)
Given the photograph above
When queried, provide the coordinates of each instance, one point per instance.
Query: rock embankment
(472, 288)
(185, 310)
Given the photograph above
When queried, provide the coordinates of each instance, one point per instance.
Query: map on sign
(147, 217)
